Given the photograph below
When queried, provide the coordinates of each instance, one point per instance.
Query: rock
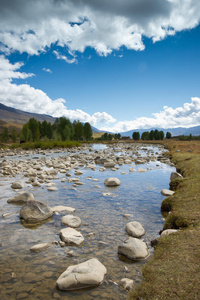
(87, 274)
(112, 181)
(39, 247)
(21, 198)
(109, 164)
(78, 172)
(175, 175)
(61, 208)
(17, 185)
(127, 283)
(127, 215)
(134, 249)
(167, 193)
(135, 229)
(71, 236)
(52, 188)
(34, 211)
(71, 221)
(167, 232)
(142, 170)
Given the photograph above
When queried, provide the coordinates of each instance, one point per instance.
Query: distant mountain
(15, 117)
(174, 131)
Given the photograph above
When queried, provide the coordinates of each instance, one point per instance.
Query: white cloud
(65, 58)
(33, 26)
(186, 116)
(8, 71)
(47, 70)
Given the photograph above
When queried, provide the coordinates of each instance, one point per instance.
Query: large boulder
(134, 249)
(21, 198)
(35, 211)
(71, 221)
(112, 181)
(135, 229)
(175, 175)
(87, 274)
(71, 236)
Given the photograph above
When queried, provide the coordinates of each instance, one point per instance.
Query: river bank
(174, 271)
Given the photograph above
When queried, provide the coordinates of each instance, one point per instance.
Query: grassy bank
(174, 271)
(46, 145)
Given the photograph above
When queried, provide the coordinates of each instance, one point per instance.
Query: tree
(156, 134)
(78, 131)
(145, 136)
(87, 131)
(151, 135)
(5, 135)
(168, 135)
(136, 135)
(14, 135)
(161, 135)
(33, 125)
(25, 134)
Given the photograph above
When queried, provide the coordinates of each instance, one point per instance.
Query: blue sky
(122, 66)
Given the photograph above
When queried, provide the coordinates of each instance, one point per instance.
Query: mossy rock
(175, 222)
(166, 205)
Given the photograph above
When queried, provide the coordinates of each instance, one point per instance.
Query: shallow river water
(27, 275)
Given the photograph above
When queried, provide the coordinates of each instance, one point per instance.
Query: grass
(174, 270)
(46, 145)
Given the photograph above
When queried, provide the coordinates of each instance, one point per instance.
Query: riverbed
(103, 212)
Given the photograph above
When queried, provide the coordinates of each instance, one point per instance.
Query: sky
(117, 64)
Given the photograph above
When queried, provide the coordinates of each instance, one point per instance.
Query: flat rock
(35, 211)
(61, 208)
(87, 274)
(134, 249)
(112, 181)
(21, 198)
(71, 221)
(135, 229)
(167, 193)
(71, 236)
(39, 247)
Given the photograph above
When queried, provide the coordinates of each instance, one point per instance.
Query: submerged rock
(135, 229)
(87, 274)
(134, 249)
(112, 181)
(35, 211)
(71, 221)
(39, 247)
(21, 198)
(127, 283)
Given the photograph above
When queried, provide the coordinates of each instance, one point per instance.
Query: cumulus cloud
(33, 26)
(186, 116)
(8, 71)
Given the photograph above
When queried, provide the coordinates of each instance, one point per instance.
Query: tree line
(152, 135)
(62, 130)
